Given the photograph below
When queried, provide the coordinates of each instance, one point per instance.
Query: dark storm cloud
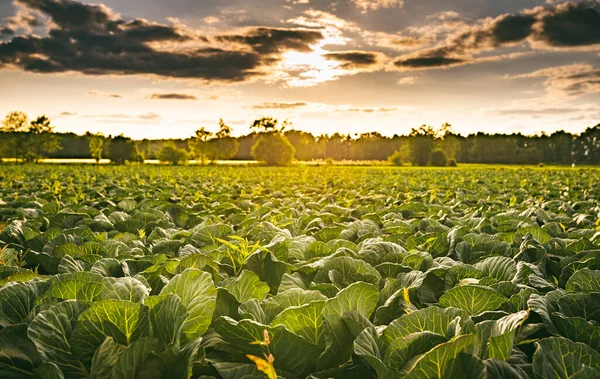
(354, 59)
(571, 25)
(173, 96)
(509, 29)
(93, 40)
(425, 62)
(5, 31)
(565, 25)
(273, 40)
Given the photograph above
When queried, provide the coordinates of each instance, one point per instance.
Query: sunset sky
(159, 69)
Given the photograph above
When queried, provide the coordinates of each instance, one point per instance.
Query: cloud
(408, 80)
(566, 25)
(24, 20)
(570, 24)
(150, 116)
(105, 94)
(531, 112)
(5, 31)
(370, 5)
(212, 19)
(355, 59)
(123, 117)
(172, 96)
(66, 113)
(419, 61)
(280, 105)
(275, 40)
(93, 40)
(572, 80)
(368, 110)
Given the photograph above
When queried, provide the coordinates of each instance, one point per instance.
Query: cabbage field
(301, 272)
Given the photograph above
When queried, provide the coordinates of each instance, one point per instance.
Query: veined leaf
(305, 320)
(122, 320)
(473, 299)
(558, 357)
(199, 296)
(440, 361)
(51, 331)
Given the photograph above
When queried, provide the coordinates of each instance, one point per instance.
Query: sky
(162, 69)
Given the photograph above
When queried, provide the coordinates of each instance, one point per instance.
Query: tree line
(277, 143)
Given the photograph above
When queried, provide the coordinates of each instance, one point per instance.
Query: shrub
(452, 163)
(172, 154)
(221, 148)
(274, 149)
(122, 149)
(438, 158)
(396, 159)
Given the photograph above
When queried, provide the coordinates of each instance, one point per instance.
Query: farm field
(301, 272)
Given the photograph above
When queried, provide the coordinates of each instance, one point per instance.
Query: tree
(273, 149)
(336, 146)
(588, 146)
(400, 156)
(96, 145)
(267, 124)
(439, 158)
(14, 127)
(223, 146)
(199, 144)
(122, 149)
(41, 139)
(272, 146)
(28, 141)
(421, 144)
(448, 141)
(172, 154)
(306, 145)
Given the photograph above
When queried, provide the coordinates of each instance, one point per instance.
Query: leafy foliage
(172, 154)
(274, 149)
(379, 272)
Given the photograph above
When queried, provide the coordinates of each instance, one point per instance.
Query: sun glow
(305, 69)
(309, 69)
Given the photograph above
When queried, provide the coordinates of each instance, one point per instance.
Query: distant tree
(266, 124)
(13, 142)
(42, 139)
(28, 141)
(96, 146)
(439, 158)
(306, 145)
(223, 146)
(372, 146)
(122, 149)
(199, 144)
(272, 147)
(172, 154)
(421, 142)
(448, 141)
(588, 146)
(336, 146)
(400, 156)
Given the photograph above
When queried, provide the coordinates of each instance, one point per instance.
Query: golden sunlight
(309, 69)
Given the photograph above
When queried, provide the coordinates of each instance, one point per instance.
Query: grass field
(345, 272)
